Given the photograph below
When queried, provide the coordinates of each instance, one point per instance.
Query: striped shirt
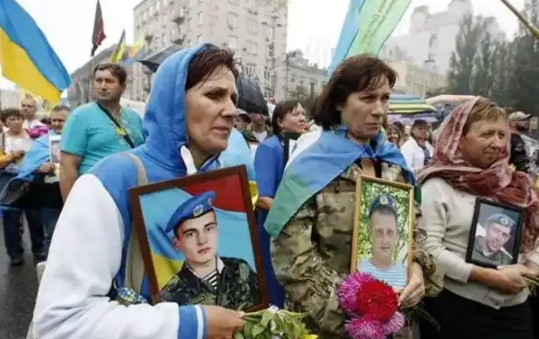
(395, 276)
(212, 279)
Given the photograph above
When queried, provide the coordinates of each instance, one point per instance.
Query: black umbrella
(250, 97)
(154, 60)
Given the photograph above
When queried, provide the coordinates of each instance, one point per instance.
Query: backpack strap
(134, 267)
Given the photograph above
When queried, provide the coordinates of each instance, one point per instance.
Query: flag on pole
(118, 55)
(99, 29)
(26, 56)
(136, 52)
(368, 25)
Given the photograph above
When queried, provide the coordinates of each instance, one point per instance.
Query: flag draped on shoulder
(26, 56)
(98, 34)
(119, 52)
(330, 153)
(367, 26)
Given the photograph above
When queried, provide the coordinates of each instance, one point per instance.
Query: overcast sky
(314, 25)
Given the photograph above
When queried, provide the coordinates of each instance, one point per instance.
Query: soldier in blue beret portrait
(383, 229)
(490, 248)
(205, 277)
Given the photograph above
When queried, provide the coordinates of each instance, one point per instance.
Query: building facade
(255, 29)
(432, 36)
(295, 77)
(413, 79)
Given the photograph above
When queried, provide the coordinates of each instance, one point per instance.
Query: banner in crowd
(367, 26)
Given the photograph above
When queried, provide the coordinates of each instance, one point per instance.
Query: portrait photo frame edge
(136, 193)
(357, 214)
(475, 219)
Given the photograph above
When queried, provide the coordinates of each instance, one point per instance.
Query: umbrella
(154, 60)
(250, 97)
(409, 104)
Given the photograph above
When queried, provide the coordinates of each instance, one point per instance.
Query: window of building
(252, 26)
(250, 69)
(232, 21)
(270, 32)
(151, 10)
(267, 73)
(200, 18)
(157, 5)
(252, 47)
(233, 42)
(189, 23)
(200, 39)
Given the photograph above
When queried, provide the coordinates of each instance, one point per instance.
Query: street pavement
(18, 288)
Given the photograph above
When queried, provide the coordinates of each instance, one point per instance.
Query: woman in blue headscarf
(188, 122)
(312, 216)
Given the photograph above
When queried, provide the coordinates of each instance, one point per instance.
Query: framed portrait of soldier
(54, 149)
(383, 230)
(495, 234)
(199, 240)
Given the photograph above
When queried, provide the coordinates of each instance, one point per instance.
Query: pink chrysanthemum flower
(363, 328)
(348, 289)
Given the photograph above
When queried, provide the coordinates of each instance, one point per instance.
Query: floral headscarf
(498, 182)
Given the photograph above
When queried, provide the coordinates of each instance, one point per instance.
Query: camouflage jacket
(312, 254)
(237, 287)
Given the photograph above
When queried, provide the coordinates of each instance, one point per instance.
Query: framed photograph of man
(495, 234)
(383, 230)
(199, 240)
(54, 149)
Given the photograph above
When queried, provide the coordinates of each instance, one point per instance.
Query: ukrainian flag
(367, 26)
(26, 57)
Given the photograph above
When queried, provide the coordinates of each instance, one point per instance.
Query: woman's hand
(223, 323)
(511, 278)
(47, 168)
(414, 290)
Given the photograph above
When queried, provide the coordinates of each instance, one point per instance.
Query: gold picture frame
(401, 198)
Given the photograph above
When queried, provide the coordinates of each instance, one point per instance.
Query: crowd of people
(87, 289)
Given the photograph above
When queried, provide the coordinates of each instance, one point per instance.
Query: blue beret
(192, 208)
(501, 219)
(382, 200)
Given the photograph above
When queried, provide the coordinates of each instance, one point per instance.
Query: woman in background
(471, 161)
(270, 161)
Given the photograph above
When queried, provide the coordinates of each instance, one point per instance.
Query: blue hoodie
(165, 128)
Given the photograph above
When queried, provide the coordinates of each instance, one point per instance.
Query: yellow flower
(310, 336)
(120, 131)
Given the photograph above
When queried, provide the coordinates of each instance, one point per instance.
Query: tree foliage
(506, 71)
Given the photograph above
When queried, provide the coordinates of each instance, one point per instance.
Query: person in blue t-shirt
(100, 128)
(384, 233)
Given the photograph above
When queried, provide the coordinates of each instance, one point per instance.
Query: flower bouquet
(274, 323)
(372, 306)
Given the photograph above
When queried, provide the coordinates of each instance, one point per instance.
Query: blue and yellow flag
(367, 26)
(26, 56)
(119, 54)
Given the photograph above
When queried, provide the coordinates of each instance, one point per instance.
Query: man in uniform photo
(207, 278)
(489, 249)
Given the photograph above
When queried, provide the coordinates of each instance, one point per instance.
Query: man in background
(519, 123)
(29, 111)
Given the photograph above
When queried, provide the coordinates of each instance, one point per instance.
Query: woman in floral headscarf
(470, 161)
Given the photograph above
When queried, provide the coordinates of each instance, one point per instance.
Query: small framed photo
(199, 240)
(54, 149)
(495, 234)
(382, 240)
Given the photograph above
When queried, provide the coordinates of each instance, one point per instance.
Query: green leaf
(268, 315)
(257, 330)
(248, 329)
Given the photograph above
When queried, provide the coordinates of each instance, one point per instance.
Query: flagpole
(522, 18)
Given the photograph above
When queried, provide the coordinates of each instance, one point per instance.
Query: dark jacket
(519, 157)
